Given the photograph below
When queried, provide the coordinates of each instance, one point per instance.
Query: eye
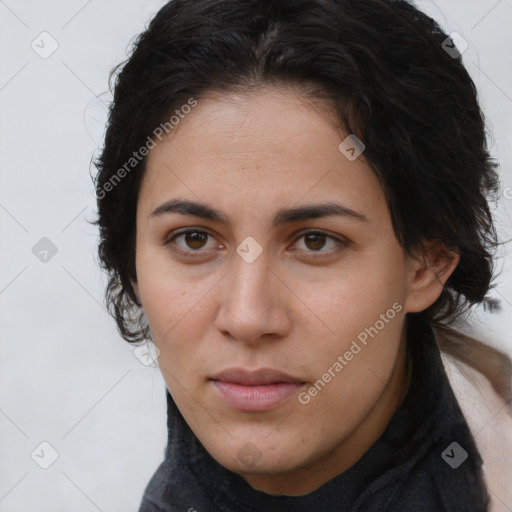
(194, 242)
(193, 239)
(316, 240)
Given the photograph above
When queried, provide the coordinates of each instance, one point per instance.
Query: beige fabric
(490, 420)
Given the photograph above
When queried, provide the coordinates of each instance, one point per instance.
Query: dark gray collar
(413, 466)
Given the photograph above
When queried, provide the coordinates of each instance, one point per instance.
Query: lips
(261, 377)
(254, 391)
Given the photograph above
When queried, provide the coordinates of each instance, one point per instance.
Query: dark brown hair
(382, 64)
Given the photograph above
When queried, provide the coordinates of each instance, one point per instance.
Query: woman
(293, 207)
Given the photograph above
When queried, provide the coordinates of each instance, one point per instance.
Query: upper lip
(260, 377)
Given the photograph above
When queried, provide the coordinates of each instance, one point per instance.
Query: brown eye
(190, 241)
(315, 241)
(195, 239)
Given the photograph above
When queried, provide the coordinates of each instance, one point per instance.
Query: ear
(429, 271)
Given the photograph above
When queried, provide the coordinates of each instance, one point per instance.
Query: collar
(407, 467)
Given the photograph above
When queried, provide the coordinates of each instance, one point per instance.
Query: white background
(66, 377)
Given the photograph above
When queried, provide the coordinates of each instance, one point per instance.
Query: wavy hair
(380, 65)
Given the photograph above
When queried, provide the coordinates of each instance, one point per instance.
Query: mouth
(254, 391)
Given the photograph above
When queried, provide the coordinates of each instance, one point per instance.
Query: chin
(259, 456)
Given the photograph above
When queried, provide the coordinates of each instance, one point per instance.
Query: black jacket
(426, 459)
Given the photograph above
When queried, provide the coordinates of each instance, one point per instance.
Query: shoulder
(489, 418)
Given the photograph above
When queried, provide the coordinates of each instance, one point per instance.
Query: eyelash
(316, 254)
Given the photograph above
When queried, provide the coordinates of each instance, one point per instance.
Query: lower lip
(256, 398)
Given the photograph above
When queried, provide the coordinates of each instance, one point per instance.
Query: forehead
(265, 147)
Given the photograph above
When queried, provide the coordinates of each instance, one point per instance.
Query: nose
(253, 302)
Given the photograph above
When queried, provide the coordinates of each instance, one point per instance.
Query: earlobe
(429, 273)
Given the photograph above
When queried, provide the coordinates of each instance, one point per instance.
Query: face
(280, 330)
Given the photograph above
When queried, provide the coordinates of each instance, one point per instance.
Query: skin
(249, 155)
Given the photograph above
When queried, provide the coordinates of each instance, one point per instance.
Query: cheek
(350, 369)
(351, 302)
(168, 294)
(360, 318)
(179, 313)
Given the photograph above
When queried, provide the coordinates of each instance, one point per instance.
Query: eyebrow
(283, 216)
